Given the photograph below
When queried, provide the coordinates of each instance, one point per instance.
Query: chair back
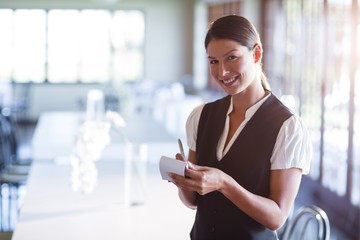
(308, 222)
(8, 147)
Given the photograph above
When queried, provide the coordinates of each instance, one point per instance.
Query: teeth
(229, 80)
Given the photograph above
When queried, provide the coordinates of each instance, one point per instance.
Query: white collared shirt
(293, 147)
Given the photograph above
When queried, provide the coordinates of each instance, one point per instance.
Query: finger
(192, 173)
(178, 180)
(173, 178)
(184, 183)
(193, 166)
(179, 156)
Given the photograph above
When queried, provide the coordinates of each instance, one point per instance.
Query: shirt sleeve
(293, 147)
(192, 124)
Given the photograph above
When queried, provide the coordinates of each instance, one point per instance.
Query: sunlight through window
(22, 45)
(71, 46)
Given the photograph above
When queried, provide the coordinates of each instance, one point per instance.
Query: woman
(247, 151)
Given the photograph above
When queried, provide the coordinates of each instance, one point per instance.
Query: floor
(160, 201)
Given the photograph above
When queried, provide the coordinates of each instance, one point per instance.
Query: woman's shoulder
(295, 124)
(195, 113)
(293, 147)
(192, 125)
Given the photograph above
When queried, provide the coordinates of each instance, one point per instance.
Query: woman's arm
(271, 212)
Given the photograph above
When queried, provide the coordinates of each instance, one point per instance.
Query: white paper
(172, 165)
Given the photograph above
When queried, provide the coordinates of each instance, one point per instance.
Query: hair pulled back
(241, 30)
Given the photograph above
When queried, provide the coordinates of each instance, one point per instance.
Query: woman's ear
(257, 51)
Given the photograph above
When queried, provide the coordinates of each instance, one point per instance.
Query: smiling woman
(238, 191)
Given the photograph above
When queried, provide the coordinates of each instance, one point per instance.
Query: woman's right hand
(197, 178)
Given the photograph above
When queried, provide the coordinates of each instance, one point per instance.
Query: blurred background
(147, 57)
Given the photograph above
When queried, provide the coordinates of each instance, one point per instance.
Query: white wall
(168, 46)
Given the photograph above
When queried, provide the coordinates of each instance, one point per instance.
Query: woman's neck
(247, 98)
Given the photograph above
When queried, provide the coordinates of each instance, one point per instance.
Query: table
(51, 210)
(51, 206)
(55, 134)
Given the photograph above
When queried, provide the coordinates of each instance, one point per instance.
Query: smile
(229, 81)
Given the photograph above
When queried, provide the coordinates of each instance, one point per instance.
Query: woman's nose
(223, 69)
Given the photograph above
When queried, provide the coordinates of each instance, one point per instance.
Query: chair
(13, 176)
(308, 222)
(15, 98)
(11, 161)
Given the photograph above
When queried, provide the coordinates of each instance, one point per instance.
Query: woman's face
(232, 65)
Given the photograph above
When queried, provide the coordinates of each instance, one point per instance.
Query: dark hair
(239, 29)
(233, 27)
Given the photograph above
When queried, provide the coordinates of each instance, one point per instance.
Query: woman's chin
(231, 90)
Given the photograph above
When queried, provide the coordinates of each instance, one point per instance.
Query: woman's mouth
(229, 81)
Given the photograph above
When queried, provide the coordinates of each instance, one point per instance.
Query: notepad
(167, 165)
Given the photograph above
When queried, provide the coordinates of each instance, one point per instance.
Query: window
(355, 196)
(337, 96)
(70, 46)
(22, 45)
(310, 54)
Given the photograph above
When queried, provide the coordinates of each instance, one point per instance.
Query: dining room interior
(94, 92)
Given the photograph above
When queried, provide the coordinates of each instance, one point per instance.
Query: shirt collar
(251, 110)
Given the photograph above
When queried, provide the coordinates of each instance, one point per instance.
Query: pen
(181, 148)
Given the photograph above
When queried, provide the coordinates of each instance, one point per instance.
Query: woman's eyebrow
(225, 54)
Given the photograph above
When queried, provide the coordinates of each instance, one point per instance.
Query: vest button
(214, 211)
(212, 229)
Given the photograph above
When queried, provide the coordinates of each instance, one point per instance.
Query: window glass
(6, 44)
(79, 48)
(28, 50)
(95, 50)
(63, 47)
(337, 87)
(355, 193)
(70, 46)
(311, 70)
(127, 41)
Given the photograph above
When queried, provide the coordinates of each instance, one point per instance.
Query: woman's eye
(213, 61)
(232, 57)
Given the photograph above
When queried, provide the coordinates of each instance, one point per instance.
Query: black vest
(247, 161)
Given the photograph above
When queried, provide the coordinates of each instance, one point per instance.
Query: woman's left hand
(199, 179)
